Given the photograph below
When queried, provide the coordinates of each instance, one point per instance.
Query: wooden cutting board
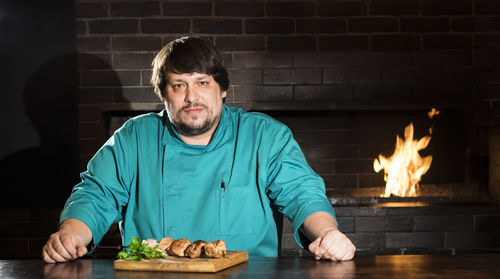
(184, 264)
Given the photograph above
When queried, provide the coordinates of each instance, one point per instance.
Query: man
(198, 170)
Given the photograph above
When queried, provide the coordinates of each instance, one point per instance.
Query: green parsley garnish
(139, 251)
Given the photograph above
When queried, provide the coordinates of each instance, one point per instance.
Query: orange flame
(404, 169)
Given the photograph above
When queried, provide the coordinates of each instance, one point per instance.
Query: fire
(404, 169)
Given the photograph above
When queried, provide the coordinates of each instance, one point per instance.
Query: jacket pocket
(235, 211)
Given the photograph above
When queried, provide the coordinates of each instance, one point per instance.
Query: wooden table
(407, 267)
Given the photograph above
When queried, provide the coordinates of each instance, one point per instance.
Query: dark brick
(11, 215)
(292, 76)
(382, 58)
(84, 44)
(361, 211)
(332, 151)
(44, 215)
(417, 211)
(81, 27)
(89, 129)
(384, 224)
(476, 24)
(369, 25)
(321, 59)
(136, 43)
(89, 113)
(217, 26)
(137, 95)
(228, 60)
(367, 240)
(472, 240)
(318, 26)
(414, 240)
(146, 77)
(351, 75)
(371, 151)
(487, 7)
(443, 223)
(379, 92)
(187, 8)
(239, 8)
(291, 9)
(177, 26)
(21, 230)
(428, 251)
(298, 43)
(113, 26)
(263, 93)
(395, 7)
(438, 57)
(322, 167)
(487, 75)
(488, 91)
(346, 224)
(325, 137)
(371, 180)
(425, 24)
(110, 78)
(262, 60)
(343, 42)
(342, 8)
(443, 91)
(447, 41)
(341, 181)
(13, 247)
(487, 223)
(269, 26)
(486, 57)
(458, 74)
(135, 9)
(240, 43)
(245, 77)
(133, 60)
(93, 61)
(474, 209)
(395, 42)
(447, 7)
(352, 166)
(411, 75)
(487, 41)
(91, 10)
(323, 93)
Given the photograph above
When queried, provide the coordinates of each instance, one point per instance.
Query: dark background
(346, 76)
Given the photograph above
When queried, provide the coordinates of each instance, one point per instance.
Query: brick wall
(305, 55)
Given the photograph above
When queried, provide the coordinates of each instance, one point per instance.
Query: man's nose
(191, 94)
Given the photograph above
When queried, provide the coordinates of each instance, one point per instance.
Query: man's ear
(224, 94)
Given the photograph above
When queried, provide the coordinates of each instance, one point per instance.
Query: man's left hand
(332, 245)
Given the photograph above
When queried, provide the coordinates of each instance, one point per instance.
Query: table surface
(407, 266)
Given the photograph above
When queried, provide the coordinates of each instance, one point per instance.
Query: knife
(93, 247)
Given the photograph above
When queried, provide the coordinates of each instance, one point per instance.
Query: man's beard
(192, 130)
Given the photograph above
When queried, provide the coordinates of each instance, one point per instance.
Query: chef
(199, 170)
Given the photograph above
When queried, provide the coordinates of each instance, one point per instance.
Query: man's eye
(175, 86)
(203, 82)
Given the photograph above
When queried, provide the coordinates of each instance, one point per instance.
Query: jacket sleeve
(294, 187)
(104, 190)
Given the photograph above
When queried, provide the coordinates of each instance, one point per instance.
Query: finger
(81, 250)
(53, 253)
(314, 248)
(45, 255)
(350, 254)
(68, 245)
(59, 247)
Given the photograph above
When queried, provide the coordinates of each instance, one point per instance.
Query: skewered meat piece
(194, 250)
(165, 243)
(216, 249)
(178, 247)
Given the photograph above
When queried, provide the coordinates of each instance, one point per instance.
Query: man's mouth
(193, 110)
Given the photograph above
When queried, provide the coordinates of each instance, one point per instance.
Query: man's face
(193, 102)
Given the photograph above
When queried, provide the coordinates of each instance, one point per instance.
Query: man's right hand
(68, 243)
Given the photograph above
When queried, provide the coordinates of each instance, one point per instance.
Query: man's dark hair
(188, 55)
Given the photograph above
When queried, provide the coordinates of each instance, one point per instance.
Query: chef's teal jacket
(146, 178)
